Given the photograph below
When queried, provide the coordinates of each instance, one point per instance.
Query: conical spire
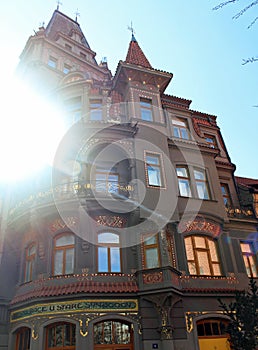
(135, 54)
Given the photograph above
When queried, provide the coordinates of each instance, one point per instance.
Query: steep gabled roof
(59, 22)
(135, 55)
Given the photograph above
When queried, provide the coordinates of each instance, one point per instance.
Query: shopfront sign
(69, 307)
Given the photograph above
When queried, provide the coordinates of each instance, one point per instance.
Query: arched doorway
(212, 334)
(23, 339)
(113, 335)
(60, 336)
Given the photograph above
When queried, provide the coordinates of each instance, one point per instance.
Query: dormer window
(146, 109)
(180, 128)
(211, 140)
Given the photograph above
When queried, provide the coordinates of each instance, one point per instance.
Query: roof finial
(132, 31)
(58, 3)
(77, 13)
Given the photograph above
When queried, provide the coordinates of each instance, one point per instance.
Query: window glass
(153, 168)
(201, 184)
(52, 62)
(61, 335)
(146, 109)
(95, 110)
(73, 108)
(108, 251)
(63, 259)
(66, 68)
(107, 182)
(30, 255)
(249, 259)
(211, 140)
(202, 256)
(151, 251)
(112, 332)
(180, 128)
(226, 194)
(183, 182)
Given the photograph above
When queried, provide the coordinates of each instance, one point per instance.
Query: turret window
(146, 109)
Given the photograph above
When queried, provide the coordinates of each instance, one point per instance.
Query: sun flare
(30, 130)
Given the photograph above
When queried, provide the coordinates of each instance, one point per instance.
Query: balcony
(77, 190)
(240, 212)
(158, 278)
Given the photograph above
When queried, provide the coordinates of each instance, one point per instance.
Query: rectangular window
(226, 195)
(29, 262)
(66, 68)
(249, 259)
(52, 62)
(180, 128)
(146, 109)
(108, 252)
(201, 184)
(107, 182)
(202, 257)
(95, 110)
(73, 107)
(183, 181)
(151, 251)
(211, 140)
(153, 169)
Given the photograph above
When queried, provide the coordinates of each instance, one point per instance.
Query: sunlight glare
(30, 131)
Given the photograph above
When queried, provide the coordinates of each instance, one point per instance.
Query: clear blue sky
(202, 48)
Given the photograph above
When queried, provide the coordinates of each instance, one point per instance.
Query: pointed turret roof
(135, 55)
(64, 24)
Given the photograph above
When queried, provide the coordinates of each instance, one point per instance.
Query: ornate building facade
(139, 227)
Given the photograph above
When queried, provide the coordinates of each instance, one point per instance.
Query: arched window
(202, 256)
(108, 251)
(113, 332)
(63, 254)
(60, 336)
(23, 336)
(212, 334)
(30, 255)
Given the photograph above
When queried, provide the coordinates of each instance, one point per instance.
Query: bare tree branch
(245, 9)
(222, 4)
(252, 23)
(249, 60)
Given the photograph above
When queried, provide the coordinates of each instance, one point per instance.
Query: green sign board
(69, 307)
